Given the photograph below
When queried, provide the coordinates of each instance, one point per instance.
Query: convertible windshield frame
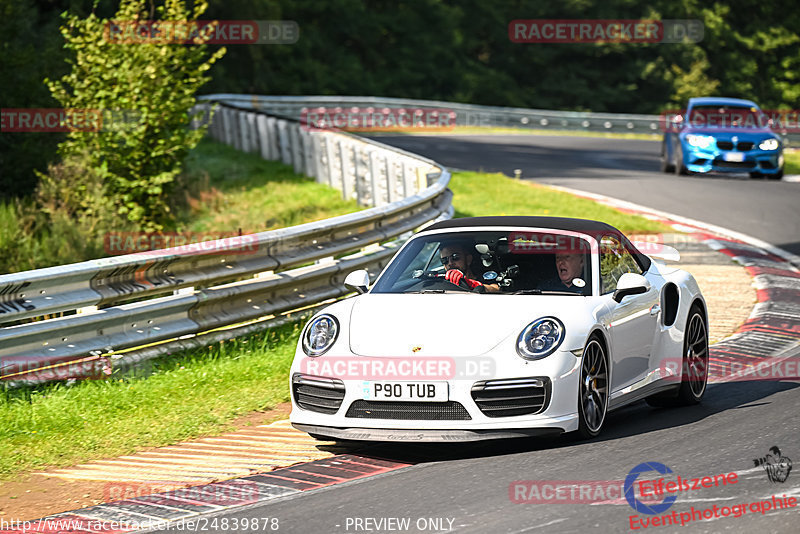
(416, 267)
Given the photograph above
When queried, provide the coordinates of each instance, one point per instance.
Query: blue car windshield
(500, 262)
(708, 116)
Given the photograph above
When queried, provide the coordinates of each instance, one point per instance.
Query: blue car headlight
(320, 334)
(700, 141)
(769, 144)
(540, 338)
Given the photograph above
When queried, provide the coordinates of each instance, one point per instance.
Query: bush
(152, 86)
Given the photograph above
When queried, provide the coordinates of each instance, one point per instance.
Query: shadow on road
(637, 419)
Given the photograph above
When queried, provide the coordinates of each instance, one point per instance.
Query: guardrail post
(344, 174)
(252, 133)
(391, 180)
(241, 129)
(283, 143)
(263, 136)
(373, 177)
(317, 155)
(294, 144)
(227, 127)
(360, 180)
(329, 156)
(404, 178)
(272, 135)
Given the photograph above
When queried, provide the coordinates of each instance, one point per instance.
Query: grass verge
(791, 162)
(200, 392)
(187, 395)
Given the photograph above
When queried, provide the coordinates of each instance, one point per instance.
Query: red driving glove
(455, 276)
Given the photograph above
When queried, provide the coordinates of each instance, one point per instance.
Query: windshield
(500, 262)
(723, 116)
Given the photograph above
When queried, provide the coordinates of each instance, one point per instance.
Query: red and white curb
(161, 510)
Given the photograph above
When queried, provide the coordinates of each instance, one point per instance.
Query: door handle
(655, 309)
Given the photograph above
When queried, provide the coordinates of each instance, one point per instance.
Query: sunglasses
(452, 257)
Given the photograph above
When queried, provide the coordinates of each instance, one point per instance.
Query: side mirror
(630, 284)
(358, 280)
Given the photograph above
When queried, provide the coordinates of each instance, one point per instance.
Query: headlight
(540, 338)
(320, 334)
(769, 144)
(700, 141)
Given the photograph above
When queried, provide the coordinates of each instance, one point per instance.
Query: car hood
(452, 324)
(727, 133)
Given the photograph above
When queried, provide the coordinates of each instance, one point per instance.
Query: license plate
(406, 391)
(733, 156)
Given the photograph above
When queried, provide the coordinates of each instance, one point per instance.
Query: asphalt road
(470, 487)
(466, 487)
(626, 169)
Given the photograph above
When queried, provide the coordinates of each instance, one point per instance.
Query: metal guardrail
(469, 114)
(119, 307)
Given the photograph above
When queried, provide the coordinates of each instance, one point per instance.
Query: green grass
(199, 392)
(196, 393)
(477, 194)
(792, 162)
(229, 190)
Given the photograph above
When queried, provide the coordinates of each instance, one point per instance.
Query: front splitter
(405, 435)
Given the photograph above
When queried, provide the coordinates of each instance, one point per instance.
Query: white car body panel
(479, 333)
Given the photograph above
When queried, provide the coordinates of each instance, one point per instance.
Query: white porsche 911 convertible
(497, 327)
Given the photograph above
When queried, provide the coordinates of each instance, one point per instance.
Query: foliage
(145, 92)
(429, 49)
(221, 190)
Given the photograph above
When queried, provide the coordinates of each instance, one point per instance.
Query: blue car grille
(742, 146)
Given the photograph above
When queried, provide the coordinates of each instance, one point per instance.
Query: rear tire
(694, 375)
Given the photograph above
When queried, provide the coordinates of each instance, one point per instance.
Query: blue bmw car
(722, 135)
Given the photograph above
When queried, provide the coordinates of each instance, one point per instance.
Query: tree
(144, 91)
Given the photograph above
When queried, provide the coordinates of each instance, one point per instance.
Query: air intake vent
(421, 411)
(317, 394)
(514, 396)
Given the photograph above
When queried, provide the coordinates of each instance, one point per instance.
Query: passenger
(457, 261)
(569, 267)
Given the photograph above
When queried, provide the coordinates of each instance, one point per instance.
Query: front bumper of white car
(510, 398)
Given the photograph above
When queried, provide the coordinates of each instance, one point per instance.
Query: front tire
(680, 168)
(665, 165)
(592, 389)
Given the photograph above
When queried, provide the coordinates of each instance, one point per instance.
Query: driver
(457, 261)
